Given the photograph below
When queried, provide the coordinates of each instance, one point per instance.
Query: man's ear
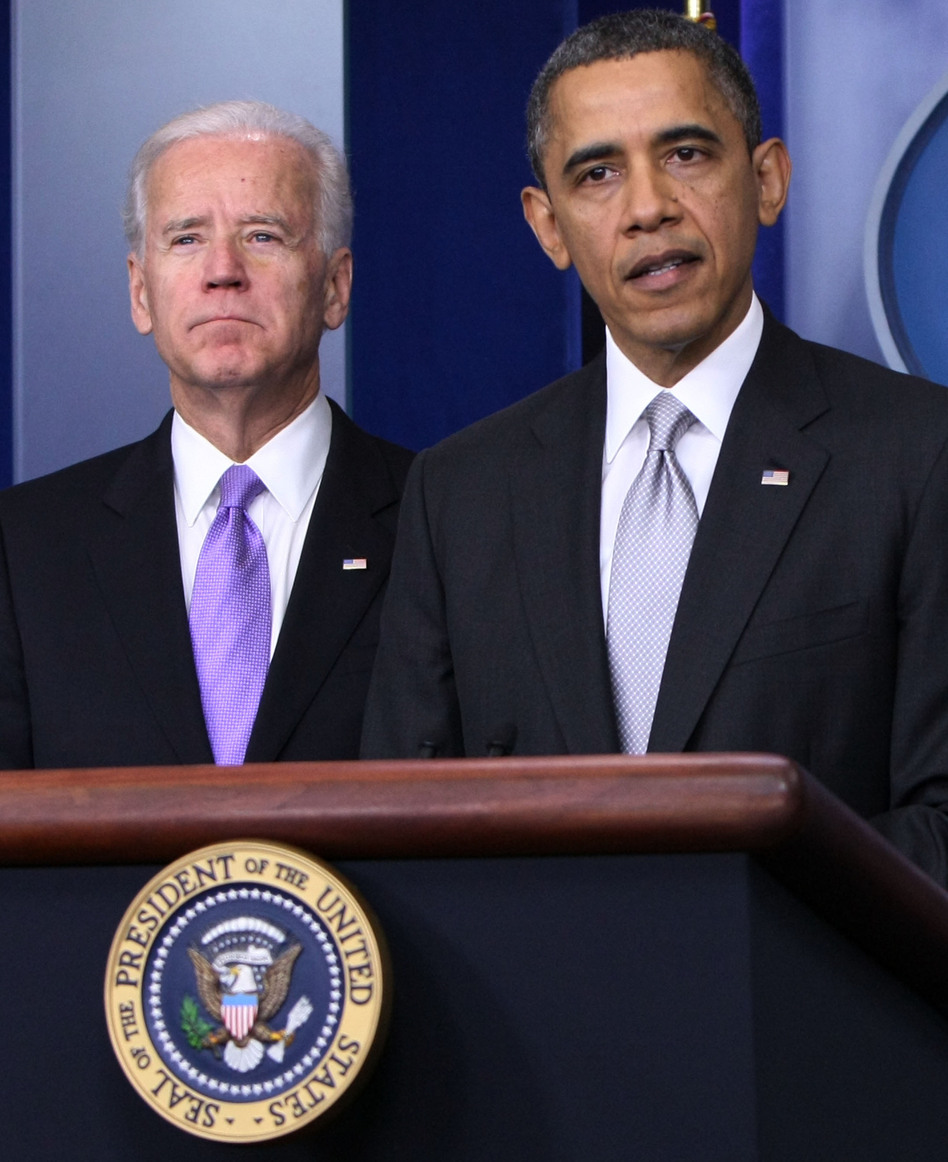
(772, 168)
(538, 211)
(338, 288)
(138, 295)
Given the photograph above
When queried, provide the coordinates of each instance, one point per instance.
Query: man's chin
(229, 369)
(216, 381)
(677, 327)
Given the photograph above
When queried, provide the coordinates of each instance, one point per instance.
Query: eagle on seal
(232, 996)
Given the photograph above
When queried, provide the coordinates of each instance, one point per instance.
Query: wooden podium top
(530, 806)
(560, 805)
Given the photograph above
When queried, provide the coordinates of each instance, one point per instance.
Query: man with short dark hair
(716, 536)
(211, 594)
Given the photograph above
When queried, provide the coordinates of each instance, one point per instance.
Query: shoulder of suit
(358, 444)
(76, 483)
(855, 386)
(851, 380)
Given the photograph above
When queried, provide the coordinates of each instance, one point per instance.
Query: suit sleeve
(917, 822)
(16, 748)
(412, 706)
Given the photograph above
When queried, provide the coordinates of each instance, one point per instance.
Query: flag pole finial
(697, 10)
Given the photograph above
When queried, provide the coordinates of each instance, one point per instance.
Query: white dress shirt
(291, 467)
(708, 391)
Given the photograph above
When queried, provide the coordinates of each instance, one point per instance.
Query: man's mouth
(205, 320)
(651, 268)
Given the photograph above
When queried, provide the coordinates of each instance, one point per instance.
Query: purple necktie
(230, 618)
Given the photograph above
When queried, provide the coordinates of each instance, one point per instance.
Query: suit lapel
(744, 527)
(555, 501)
(137, 564)
(327, 602)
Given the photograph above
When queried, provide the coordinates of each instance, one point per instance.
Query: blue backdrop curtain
(456, 311)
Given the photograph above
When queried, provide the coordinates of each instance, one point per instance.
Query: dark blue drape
(456, 310)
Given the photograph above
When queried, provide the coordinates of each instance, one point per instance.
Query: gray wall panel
(91, 81)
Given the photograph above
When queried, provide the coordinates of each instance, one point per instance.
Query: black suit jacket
(813, 620)
(96, 667)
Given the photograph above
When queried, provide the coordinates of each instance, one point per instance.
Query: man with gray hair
(211, 594)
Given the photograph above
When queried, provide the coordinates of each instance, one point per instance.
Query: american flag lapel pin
(354, 563)
(775, 476)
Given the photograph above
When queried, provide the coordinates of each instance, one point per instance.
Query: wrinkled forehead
(242, 174)
(647, 79)
(243, 157)
(647, 93)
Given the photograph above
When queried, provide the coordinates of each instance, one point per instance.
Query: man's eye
(262, 236)
(598, 174)
(184, 240)
(687, 153)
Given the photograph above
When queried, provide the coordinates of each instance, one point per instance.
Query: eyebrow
(693, 132)
(251, 220)
(181, 224)
(267, 220)
(597, 151)
(602, 150)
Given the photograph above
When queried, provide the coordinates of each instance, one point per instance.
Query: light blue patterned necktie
(230, 618)
(653, 543)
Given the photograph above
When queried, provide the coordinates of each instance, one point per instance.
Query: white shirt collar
(290, 464)
(708, 390)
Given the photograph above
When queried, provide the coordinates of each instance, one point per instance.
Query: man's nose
(224, 265)
(650, 198)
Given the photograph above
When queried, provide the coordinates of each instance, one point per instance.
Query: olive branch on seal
(193, 1025)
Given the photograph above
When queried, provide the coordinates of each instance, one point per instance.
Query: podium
(701, 957)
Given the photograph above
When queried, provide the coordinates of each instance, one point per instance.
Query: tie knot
(668, 419)
(239, 485)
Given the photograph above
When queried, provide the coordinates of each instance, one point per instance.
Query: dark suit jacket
(813, 620)
(96, 667)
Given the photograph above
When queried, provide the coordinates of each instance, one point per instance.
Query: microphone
(501, 741)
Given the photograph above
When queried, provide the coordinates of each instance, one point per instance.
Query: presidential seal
(246, 991)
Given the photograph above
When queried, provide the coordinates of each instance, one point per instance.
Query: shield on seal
(238, 1012)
